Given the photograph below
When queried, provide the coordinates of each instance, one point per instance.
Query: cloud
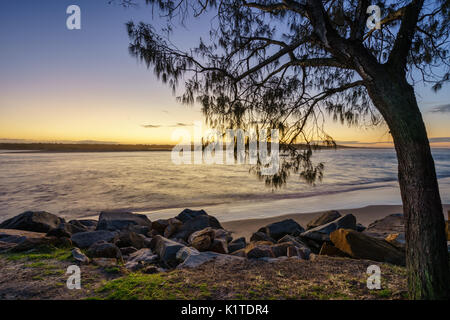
(440, 139)
(178, 124)
(441, 109)
(150, 126)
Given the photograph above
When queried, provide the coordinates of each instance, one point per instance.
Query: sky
(77, 85)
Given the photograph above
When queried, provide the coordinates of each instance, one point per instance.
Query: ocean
(75, 185)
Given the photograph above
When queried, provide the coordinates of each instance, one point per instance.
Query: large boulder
(219, 245)
(160, 225)
(188, 214)
(324, 218)
(197, 223)
(202, 240)
(128, 238)
(36, 221)
(277, 230)
(361, 246)
(104, 249)
(393, 223)
(304, 250)
(322, 233)
(112, 221)
(34, 243)
(18, 236)
(87, 239)
(88, 224)
(259, 249)
(173, 226)
(261, 236)
(329, 249)
(66, 230)
(237, 244)
(167, 250)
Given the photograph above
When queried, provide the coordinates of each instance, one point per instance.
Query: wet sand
(365, 216)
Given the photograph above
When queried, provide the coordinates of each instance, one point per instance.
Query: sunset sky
(62, 85)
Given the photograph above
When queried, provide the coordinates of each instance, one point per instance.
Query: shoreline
(364, 215)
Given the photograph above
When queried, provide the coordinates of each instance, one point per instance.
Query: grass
(41, 253)
(161, 286)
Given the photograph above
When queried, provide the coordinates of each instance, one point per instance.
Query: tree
(284, 63)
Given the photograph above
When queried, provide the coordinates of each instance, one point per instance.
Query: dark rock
(322, 233)
(277, 230)
(240, 253)
(66, 230)
(35, 243)
(104, 249)
(87, 239)
(88, 224)
(237, 244)
(360, 227)
(295, 240)
(128, 238)
(167, 250)
(196, 224)
(280, 249)
(126, 251)
(324, 218)
(381, 228)
(361, 246)
(260, 251)
(296, 252)
(160, 225)
(188, 214)
(261, 236)
(174, 225)
(112, 221)
(219, 246)
(37, 221)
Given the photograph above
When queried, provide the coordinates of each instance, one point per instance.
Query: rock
(277, 230)
(34, 243)
(380, 229)
(105, 262)
(104, 249)
(196, 224)
(196, 260)
(361, 246)
(223, 234)
(397, 239)
(296, 241)
(322, 233)
(183, 253)
(259, 249)
(80, 256)
(126, 251)
(324, 218)
(237, 244)
(36, 221)
(280, 249)
(296, 252)
(134, 266)
(174, 225)
(17, 236)
(360, 227)
(240, 253)
(87, 239)
(143, 256)
(329, 249)
(160, 225)
(128, 238)
(219, 246)
(261, 236)
(188, 214)
(5, 246)
(167, 250)
(447, 232)
(66, 230)
(88, 224)
(202, 240)
(111, 221)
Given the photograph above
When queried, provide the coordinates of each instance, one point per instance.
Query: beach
(365, 216)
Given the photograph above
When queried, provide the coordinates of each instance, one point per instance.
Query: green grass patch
(159, 286)
(42, 253)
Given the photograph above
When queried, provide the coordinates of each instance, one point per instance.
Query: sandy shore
(365, 216)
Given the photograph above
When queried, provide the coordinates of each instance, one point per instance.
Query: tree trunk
(426, 246)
